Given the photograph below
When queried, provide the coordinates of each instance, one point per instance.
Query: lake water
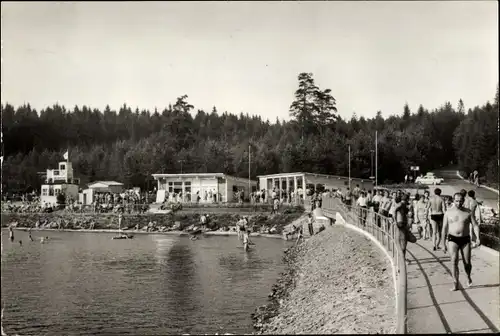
(85, 283)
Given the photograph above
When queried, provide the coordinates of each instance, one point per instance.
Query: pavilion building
(211, 187)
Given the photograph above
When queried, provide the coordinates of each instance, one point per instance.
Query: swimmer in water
(20, 243)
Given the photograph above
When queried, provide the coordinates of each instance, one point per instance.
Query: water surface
(85, 283)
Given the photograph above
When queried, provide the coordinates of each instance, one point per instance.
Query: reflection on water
(86, 283)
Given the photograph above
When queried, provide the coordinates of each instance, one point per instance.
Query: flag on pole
(66, 155)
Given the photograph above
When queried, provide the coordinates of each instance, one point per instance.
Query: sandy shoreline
(175, 233)
(338, 282)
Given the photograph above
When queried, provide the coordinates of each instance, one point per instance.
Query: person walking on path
(476, 178)
(362, 203)
(474, 207)
(459, 225)
(422, 216)
(437, 210)
(348, 199)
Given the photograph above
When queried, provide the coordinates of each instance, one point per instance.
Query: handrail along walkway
(384, 231)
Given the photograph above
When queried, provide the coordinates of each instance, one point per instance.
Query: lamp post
(376, 158)
(249, 171)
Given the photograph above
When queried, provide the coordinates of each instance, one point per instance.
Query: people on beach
(437, 210)
(459, 224)
(275, 207)
(299, 230)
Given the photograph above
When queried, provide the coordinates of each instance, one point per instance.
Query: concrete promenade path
(433, 308)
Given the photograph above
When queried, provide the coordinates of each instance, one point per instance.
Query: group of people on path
(452, 221)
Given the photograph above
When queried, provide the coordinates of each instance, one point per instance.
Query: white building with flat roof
(87, 196)
(295, 182)
(211, 187)
(59, 181)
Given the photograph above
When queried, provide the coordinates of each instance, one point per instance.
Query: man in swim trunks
(458, 226)
(437, 210)
(246, 240)
(401, 219)
(428, 226)
(473, 206)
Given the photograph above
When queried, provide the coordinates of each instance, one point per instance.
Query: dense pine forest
(129, 145)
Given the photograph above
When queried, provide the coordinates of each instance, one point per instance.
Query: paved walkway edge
(481, 186)
(488, 250)
(340, 220)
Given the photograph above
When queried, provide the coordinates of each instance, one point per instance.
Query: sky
(246, 56)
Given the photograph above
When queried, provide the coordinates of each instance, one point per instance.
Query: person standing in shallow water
(11, 234)
(246, 240)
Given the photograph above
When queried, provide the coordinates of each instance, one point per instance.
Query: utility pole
(349, 167)
(371, 165)
(376, 158)
(249, 170)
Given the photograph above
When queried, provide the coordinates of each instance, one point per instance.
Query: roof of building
(222, 175)
(311, 174)
(107, 183)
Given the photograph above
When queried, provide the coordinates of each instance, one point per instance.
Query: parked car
(429, 178)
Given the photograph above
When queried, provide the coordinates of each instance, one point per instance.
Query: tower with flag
(60, 181)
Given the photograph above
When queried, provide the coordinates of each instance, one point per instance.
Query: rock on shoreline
(336, 282)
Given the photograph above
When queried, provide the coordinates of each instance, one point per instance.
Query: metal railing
(384, 230)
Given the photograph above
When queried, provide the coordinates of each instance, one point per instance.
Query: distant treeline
(129, 146)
